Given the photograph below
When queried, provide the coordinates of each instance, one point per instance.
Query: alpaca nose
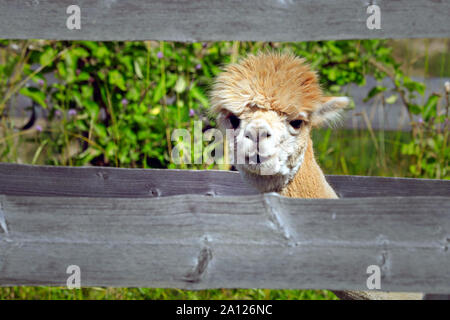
(257, 133)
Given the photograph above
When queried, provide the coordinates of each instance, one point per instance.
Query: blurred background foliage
(117, 104)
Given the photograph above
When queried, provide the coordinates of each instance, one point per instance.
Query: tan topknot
(274, 81)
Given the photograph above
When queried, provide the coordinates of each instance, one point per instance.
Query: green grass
(48, 293)
(362, 152)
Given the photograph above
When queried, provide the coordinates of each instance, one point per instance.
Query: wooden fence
(215, 20)
(207, 229)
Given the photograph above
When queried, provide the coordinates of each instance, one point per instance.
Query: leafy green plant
(429, 146)
(116, 103)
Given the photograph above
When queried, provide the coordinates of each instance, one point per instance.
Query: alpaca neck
(309, 181)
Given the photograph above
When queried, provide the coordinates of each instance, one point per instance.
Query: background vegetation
(117, 103)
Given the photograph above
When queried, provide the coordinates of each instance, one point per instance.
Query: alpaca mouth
(260, 165)
(257, 159)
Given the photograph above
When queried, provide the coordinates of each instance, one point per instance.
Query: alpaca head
(271, 101)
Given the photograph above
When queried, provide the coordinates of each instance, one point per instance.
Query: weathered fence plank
(16, 179)
(195, 242)
(216, 20)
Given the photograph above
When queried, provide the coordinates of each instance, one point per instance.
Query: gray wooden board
(16, 179)
(200, 20)
(197, 242)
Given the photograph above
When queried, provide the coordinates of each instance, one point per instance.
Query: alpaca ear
(329, 111)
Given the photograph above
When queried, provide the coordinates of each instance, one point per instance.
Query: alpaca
(272, 101)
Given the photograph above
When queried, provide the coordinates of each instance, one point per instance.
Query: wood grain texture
(197, 242)
(214, 20)
(16, 179)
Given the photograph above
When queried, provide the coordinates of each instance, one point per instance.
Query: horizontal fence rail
(16, 179)
(216, 20)
(120, 237)
(199, 242)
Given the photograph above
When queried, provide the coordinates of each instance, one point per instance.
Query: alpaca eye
(235, 121)
(296, 123)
